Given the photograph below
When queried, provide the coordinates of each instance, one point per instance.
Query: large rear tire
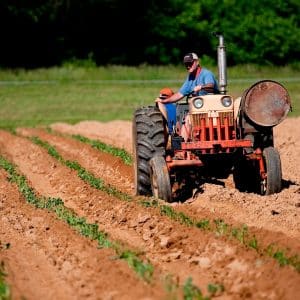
(148, 141)
(273, 182)
(160, 179)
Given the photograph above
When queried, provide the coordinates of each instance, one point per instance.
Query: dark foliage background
(47, 33)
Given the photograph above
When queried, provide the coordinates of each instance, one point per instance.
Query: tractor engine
(212, 120)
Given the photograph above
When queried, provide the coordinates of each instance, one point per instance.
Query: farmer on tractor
(214, 135)
(199, 81)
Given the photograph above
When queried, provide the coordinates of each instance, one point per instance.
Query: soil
(44, 258)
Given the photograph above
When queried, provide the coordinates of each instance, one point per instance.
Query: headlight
(226, 101)
(198, 102)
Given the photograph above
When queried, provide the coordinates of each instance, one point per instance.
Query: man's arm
(174, 98)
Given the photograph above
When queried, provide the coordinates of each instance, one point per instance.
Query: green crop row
(90, 230)
(218, 226)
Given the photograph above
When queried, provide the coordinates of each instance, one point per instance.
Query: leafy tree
(48, 32)
(258, 31)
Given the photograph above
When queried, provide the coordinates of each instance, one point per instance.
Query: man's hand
(197, 88)
(174, 98)
(208, 87)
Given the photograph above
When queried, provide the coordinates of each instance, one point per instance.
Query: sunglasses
(188, 65)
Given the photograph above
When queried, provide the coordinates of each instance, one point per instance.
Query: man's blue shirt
(203, 78)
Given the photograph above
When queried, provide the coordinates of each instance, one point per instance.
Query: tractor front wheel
(273, 181)
(160, 179)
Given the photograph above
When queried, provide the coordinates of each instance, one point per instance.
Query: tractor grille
(228, 115)
(215, 126)
(211, 133)
(196, 119)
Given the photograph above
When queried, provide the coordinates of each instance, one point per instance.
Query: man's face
(191, 66)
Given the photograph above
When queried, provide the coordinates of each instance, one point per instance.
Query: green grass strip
(123, 154)
(222, 229)
(56, 205)
(115, 151)
(219, 226)
(4, 287)
(82, 173)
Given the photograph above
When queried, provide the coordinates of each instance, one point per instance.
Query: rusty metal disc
(266, 103)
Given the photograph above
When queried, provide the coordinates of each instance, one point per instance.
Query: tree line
(45, 33)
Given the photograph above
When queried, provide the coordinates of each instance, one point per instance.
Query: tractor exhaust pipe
(222, 67)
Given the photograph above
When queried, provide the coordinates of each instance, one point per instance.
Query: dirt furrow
(275, 213)
(45, 259)
(112, 169)
(270, 228)
(175, 248)
(116, 133)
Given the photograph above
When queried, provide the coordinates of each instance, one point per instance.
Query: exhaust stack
(222, 67)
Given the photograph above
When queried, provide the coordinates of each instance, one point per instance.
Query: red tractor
(226, 136)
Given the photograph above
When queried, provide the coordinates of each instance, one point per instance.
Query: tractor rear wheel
(273, 181)
(160, 179)
(148, 141)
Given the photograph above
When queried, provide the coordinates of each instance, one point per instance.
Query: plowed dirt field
(93, 239)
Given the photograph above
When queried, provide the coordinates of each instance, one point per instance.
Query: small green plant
(253, 243)
(192, 292)
(280, 256)
(168, 211)
(203, 224)
(240, 233)
(171, 285)
(4, 288)
(221, 227)
(145, 270)
(214, 289)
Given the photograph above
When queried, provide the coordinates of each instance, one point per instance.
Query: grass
(72, 94)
